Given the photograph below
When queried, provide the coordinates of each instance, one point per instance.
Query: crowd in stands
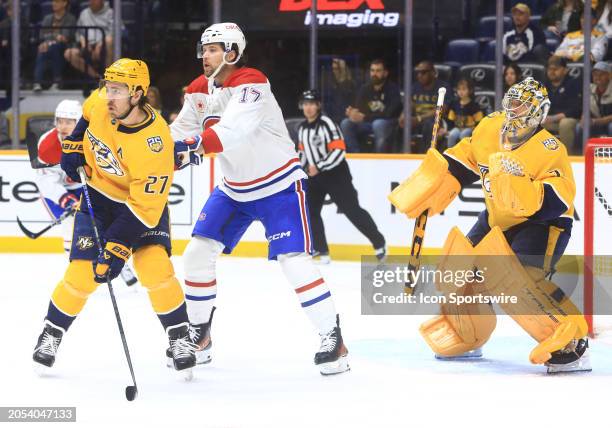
(74, 38)
(549, 47)
(60, 39)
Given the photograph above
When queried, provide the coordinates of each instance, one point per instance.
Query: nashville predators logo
(155, 144)
(484, 176)
(104, 157)
(84, 242)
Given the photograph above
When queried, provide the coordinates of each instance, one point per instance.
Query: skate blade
(581, 365)
(185, 374)
(335, 367)
(470, 355)
(199, 361)
(203, 357)
(41, 370)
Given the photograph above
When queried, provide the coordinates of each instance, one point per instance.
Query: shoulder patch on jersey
(551, 143)
(244, 76)
(198, 85)
(155, 144)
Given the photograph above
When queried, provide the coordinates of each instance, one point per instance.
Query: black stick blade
(131, 392)
(25, 231)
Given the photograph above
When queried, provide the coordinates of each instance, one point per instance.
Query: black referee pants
(338, 184)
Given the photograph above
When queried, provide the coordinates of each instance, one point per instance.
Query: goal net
(598, 236)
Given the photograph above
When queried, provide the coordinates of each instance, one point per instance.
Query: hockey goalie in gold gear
(529, 191)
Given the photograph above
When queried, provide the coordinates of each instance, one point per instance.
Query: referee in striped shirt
(321, 149)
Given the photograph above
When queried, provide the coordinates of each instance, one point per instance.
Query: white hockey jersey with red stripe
(241, 122)
(52, 181)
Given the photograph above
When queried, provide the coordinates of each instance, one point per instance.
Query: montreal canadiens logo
(210, 121)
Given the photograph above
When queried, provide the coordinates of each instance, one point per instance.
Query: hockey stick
(130, 391)
(418, 235)
(34, 235)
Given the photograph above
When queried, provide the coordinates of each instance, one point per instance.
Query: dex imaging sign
(344, 13)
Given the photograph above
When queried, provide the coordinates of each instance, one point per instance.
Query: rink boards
(374, 176)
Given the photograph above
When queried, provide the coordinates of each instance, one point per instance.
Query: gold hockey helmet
(133, 72)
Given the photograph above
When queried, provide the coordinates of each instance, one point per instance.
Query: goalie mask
(525, 105)
(229, 35)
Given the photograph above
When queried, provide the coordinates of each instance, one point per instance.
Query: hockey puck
(130, 393)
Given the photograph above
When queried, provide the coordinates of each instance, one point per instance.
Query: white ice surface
(262, 372)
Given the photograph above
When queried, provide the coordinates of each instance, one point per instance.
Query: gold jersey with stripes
(133, 165)
(545, 159)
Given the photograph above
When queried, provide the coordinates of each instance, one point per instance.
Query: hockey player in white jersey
(58, 192)
(231, 111)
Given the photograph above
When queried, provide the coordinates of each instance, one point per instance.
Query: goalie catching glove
(111, 262)
(512, 189)
(431, 187)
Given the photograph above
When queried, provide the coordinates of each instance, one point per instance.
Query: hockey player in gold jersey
(128, 153)
(529, 192)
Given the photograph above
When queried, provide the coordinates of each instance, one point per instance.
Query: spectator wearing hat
(376, 109)
(572, 46)
(525, 41)
(601, 100)
(321, 150)
(55, 37)
(565, 101)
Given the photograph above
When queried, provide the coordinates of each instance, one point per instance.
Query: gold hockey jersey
(545, 158)
(129, 164)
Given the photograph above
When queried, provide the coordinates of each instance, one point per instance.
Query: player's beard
(116, 115)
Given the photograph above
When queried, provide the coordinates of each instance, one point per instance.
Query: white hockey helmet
(69, 109)
(226, 33)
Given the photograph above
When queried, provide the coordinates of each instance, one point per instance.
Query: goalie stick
(418, 235)
(34, 235)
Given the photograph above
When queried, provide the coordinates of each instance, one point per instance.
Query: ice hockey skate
(182, 349)
(332, 356)
(573, 358)
(46, 347)
(200, 335)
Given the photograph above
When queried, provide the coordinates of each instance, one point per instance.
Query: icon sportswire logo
(373, 14)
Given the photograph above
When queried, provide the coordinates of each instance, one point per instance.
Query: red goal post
(597, 222)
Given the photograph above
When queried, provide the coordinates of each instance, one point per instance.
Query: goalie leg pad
(459, 329)
(431, 187)
(542, 310)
